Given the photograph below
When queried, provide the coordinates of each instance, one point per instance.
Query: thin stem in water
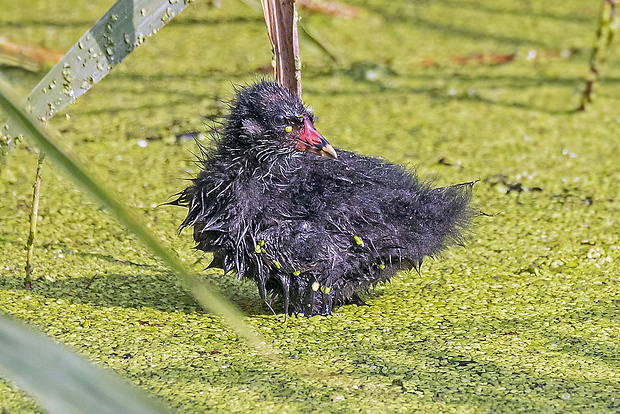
(608, 23)
(34, 215)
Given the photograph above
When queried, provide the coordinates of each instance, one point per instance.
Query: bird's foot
(356, 300)
(310, 298)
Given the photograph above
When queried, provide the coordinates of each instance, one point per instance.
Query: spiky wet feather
(310, 212)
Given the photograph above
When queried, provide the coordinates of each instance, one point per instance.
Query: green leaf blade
(119, 32)
(60, 380)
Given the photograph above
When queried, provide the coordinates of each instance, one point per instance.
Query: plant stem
(604, 36)
(281, 20)
(34, 214)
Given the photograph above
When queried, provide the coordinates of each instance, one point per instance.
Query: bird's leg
(286, 285)
(356, 300)
(309, 297)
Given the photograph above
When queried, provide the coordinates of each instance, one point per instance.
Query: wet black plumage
(314, 230)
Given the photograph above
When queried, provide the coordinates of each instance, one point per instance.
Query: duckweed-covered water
(524, 318)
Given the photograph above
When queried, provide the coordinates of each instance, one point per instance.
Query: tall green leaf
(60, 380)
(121, 30)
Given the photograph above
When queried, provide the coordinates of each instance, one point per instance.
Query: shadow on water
(468, 87)
(401, 16)
(70, 24)
(439, 95)
(541, 394)
(526, 10)
(111, 259)
(152, 288)
(123, 108)
(155, 290)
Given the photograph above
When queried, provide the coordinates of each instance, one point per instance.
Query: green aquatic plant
(525, 319)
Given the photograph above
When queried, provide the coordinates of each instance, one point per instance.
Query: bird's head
(267, 117)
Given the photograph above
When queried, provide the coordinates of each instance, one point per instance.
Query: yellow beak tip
(329, 152)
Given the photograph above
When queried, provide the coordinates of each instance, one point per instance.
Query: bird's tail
(453, 213)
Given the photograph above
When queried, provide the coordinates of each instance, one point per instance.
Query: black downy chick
(277, 205)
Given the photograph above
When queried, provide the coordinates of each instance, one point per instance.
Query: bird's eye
(279, 120)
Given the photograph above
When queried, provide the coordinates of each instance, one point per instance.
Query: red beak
(311, 141)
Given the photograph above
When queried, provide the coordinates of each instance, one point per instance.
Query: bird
(312, 225)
